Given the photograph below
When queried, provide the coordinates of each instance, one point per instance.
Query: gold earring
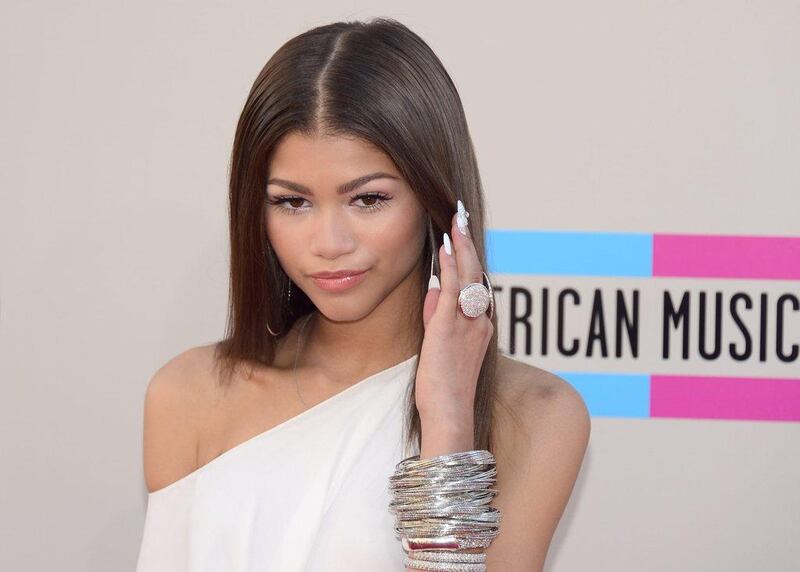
(288, 298)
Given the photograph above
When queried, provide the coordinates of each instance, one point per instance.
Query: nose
(331, 235)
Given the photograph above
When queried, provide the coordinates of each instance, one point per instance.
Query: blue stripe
(612, 394)
(569, 253)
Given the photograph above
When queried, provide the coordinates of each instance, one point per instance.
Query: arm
(171, 403)
(450, 436)
(548, 451)
(452, 350)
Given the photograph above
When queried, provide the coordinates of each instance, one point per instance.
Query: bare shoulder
(542, 399)
(175, 402)
(541, 458)
(550, 413)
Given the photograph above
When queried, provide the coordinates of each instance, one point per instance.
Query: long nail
(447, 247)
(461, 219)
(434, 282)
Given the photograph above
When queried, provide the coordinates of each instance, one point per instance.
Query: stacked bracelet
(441, 504)
(449, 561)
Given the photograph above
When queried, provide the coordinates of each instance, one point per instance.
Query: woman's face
(336, 203)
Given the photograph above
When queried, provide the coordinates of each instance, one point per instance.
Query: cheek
(282, 240)
(399, 238)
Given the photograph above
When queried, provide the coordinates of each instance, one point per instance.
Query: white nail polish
(434, 282)
(447, 246)
(461, 219)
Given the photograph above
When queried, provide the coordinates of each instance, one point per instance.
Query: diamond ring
(475, 298)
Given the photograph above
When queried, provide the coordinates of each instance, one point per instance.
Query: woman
(356, 221)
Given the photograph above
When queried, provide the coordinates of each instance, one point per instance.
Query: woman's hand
(454, 345)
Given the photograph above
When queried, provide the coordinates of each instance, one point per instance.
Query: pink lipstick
(339, 280)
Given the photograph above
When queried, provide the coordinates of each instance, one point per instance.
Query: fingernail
(461, 219)
(447, 247)
(434, 282)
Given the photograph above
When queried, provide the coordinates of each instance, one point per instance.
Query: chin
(345, 308)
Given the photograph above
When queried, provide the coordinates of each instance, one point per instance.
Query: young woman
(358, 337)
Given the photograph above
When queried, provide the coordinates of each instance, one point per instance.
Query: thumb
(431, 300)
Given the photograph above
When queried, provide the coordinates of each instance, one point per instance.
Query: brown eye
(293, 208)
(373, 201)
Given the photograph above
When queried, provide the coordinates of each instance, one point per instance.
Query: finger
(450, 286)
(469, 266)
(429, 305)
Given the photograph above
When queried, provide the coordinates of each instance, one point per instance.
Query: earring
(288, 299)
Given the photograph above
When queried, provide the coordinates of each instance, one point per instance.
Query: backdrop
(640, 161)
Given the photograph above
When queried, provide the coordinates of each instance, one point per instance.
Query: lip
(338, 281)
(338, 273)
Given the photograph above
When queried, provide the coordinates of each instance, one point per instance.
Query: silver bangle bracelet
(444, 566)
(439, 556)
(441, 505)
(448, 561)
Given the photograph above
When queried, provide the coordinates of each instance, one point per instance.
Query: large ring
(475, 298)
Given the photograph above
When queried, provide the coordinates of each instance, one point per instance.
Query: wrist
(447, 435)
(454, 420)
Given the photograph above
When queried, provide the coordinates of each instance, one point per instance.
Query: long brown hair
(378, 81)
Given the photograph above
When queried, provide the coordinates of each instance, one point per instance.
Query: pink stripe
(773, 399)
(776, 258)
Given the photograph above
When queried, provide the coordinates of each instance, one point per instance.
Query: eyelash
(278, 202)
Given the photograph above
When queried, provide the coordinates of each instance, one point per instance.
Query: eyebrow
(341, 190)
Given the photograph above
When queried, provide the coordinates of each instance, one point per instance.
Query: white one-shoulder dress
(309, 495)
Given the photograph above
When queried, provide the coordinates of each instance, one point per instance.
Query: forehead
(346, 156)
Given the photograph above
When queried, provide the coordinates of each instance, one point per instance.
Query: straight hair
(380, 82)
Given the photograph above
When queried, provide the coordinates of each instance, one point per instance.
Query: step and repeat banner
(657, 325)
